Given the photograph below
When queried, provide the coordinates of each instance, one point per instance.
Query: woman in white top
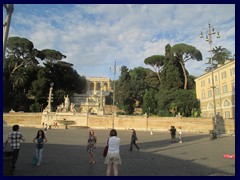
(113, 158)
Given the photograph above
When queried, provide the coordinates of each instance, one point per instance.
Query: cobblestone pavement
(65, 154)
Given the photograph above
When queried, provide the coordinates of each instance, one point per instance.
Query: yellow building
(224, 82)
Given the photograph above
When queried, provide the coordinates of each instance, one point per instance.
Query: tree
(157, 62)
(139, 86)
(27, 81)
(149, 102)
(220, 54)
(186, 101)
(124, 92)
(183, 53)
(151, 79)
(21, 55)
(52, 55)
(171, 76)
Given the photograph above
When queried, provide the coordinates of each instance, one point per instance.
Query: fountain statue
(66, 103)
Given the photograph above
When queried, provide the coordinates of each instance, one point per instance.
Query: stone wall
(198, 125)
(23, 119)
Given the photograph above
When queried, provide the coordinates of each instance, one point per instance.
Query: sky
(94, 36)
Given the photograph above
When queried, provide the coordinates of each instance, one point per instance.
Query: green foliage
(149, 102)
(220, 55)
(157, 62)
(36, 107)
(52, 55)
(186, 101)
(139, 86)
(172, 102)
(185, 52)
(124, 92)
(27, 83)
(171, 77)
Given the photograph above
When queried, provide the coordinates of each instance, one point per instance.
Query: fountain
(66, 123)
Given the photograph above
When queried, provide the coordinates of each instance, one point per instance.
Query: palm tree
(220, 54)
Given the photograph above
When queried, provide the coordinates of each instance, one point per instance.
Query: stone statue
(66, 103)
(72, 109)
(60, 108)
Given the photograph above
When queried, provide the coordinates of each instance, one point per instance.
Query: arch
(91, 86)
(105, 86)
(210, 105)
(226, 103)
(98, 86)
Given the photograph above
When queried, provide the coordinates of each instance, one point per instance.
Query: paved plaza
(65, 154)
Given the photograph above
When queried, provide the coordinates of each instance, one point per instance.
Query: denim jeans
(39, 153)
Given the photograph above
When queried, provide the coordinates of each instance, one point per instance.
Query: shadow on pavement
(197, 156)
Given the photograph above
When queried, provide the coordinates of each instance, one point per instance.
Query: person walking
(133, 140)
(91, 146)
(45, 128)
(180, 134)
(113, 158)
(172, 131)
(39, 140)
(14, 138)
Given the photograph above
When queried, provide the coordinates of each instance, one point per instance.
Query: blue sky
(93, 37)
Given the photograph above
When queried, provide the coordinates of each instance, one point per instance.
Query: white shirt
(113, 145)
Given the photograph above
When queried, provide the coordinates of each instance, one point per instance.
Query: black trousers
(14, 158)
(133, 143)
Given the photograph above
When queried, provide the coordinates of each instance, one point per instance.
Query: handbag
(105, 151)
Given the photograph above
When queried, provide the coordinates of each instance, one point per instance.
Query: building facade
(93, 101)
(224, 82)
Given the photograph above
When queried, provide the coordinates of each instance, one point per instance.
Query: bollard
(7, 162)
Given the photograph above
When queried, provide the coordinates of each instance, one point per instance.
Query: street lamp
(114, 72)
(211, 31)
(9, 8)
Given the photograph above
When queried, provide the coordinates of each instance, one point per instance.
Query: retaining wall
(198, 125)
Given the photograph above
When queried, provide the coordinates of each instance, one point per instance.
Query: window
(227, 114)
(203, 95)
(211, 106)
(209, 81)
(224, 89)
(232, 71)
(224, 75)
(233, 86)
(209, 93)
(211, 115)
(216, 78)
(226, 103)
(202, 83)
(216, 90)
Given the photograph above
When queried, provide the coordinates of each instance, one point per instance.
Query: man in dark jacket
(133, 140)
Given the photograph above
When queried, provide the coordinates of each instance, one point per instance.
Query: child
(180, 134)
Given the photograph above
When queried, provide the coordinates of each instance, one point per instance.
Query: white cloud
(94, 36)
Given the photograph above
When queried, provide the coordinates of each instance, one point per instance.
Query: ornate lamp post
(211, 31)
(114, 86)
(9, 8)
